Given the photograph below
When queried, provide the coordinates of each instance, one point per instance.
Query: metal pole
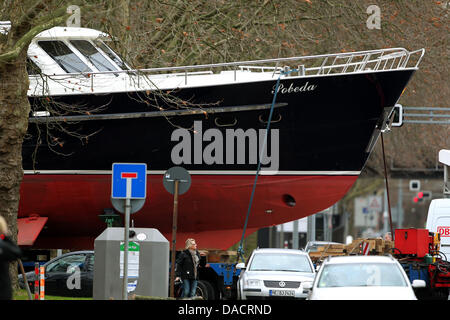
(295, 235)
(174, 238)
(446, 185)
(125, 248)
(36, 281)
(330, 224)
(311, 236)
(387, 188)
(313, 227)
(42, 283)
(400, 205)
(281, 244)
(271, 237)
(385, 214)
(345, 216)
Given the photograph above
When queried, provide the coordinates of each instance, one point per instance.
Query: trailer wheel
(205, 290)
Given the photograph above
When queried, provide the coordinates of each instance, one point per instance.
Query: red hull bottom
(212, 211)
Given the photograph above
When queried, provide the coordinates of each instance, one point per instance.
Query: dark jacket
(185, 265)
(8, 252)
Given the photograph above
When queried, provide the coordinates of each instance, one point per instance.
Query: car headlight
(253, 283)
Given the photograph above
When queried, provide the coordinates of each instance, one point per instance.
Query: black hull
(327, 128)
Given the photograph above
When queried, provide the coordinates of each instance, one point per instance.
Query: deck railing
(317, 65)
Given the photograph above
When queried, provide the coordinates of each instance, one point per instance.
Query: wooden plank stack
(326, 251)
(220, 256)
(377, 246)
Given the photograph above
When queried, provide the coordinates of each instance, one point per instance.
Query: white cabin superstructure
(79, 61)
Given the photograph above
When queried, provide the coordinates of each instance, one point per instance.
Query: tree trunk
(14, 110)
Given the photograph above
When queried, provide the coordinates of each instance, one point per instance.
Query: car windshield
(361, 275)
(62, 264)
(280, 262)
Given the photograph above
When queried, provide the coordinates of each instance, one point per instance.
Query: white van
(438, 220)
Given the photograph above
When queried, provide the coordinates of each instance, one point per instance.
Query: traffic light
(421, 196)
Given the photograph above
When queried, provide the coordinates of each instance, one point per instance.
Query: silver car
(275, 273)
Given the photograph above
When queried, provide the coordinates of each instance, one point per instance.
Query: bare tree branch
(26, 39)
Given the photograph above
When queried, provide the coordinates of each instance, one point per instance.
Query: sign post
(129, 182)
(174, 237)
(125, 251)
(171, 181)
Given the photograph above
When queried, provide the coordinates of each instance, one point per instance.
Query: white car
(363, 278)
(275, 273)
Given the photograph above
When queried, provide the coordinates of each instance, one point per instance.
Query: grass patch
(21, 294)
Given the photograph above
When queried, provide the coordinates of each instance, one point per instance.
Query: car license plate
(282, 293)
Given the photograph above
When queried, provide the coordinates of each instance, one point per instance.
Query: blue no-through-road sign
(129, 180)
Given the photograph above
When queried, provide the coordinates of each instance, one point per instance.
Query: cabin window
(111, 54)
(65, 57)
(93, 55)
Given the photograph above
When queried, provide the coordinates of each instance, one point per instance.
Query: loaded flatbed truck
(218, 279)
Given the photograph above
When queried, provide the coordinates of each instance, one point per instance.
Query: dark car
(70, 274)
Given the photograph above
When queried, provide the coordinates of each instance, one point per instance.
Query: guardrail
(420, 115)
(316, 65)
